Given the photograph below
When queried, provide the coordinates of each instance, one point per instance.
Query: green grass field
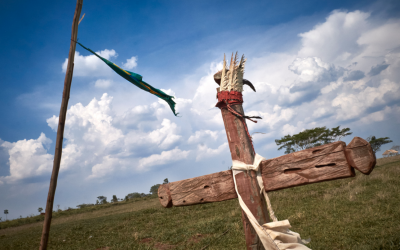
(354, 213)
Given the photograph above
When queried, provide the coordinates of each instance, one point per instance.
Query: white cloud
(202, 135)
(28, 158)
(352, 105)
(130, 63)
(309, 69)
(164, 158)
(103, 83)
(288, 129)
(205, 152)
(165, 136)
(335, 40)
(91, 65)
(382, 39)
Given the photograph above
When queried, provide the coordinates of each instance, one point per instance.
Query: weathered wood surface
(326, 162)
(60, 131)
(242, 150)
(203, 189)
(164, 195)
(360, 155)
(299, 168)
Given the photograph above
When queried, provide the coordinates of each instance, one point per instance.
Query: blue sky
(313, 63)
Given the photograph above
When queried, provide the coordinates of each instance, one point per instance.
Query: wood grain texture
(360, 155)
(250, 192)
(322, 163)
(164, 195)
(203, 189)
(60, 131)
(239, 143)
(242, 150)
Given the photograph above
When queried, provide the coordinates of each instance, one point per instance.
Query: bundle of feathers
(232, 78)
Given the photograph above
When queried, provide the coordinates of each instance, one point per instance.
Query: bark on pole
(60, 131)
(242, 150)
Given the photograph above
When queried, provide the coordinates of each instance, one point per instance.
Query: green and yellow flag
(136, 79)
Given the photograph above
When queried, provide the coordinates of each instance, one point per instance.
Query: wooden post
(60, 131)
(242, 150)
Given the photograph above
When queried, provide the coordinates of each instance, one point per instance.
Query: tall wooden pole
(60, 131)
(242, 150)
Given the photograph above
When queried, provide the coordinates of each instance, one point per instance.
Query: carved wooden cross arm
(323, 163)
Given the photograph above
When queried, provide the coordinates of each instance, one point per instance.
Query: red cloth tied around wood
(229, 97)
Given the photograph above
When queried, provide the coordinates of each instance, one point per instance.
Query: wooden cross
(327, 162)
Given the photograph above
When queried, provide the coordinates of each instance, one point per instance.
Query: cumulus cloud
(203, 134)
(205, 152)
(130, 63)
(28, 158)
(352, 105)
(102, 83)
(164, 158)
(336, 39)
(91, 65)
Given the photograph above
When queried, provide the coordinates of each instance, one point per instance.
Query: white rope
(273, 235)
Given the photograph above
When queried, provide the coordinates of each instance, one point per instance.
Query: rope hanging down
(273, 235)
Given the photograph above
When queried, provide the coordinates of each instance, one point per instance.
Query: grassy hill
(354, 213)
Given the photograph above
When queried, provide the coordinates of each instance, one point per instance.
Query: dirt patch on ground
(146, 240)
(157, 245)
(197, 237)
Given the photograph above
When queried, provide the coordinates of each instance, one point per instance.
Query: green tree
(166, 181)
(102, 199)
(83, 205)
(6, 212)
(114, 198)
(154, 189)
(376, 143)
(310, 138)
(134, 195)
(40, 209)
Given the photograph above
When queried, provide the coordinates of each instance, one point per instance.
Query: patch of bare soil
(197, 237)
(157, 245)
(146, 240)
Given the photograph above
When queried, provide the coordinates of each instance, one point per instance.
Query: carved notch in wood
(323, 163)
(326, 162)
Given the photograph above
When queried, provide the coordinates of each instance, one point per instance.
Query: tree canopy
(154, 189)
(310, 138)
(102, 199)
(376, 143)
(114, 198)
(134, 195)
